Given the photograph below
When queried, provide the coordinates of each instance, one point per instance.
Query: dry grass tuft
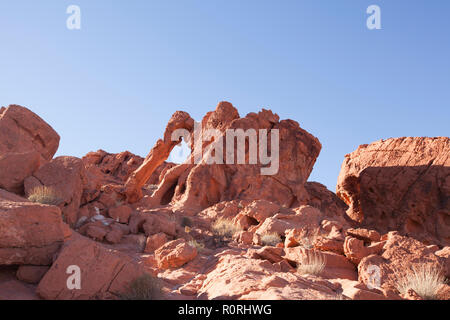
(313, 263)
(144, 287)
(270, 239)
(44, 195)
(224, 228)
(425, 280)
(197, 245)
(308, 238)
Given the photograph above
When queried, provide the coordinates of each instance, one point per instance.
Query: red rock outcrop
(106, 174)
(67, 177)
(104, 273)
(195, 186)
(400, 184)
(174, 254)
(291, 239)
(13, 289)
(30, 233)
(26, 143)
(31, 274)
(399, 256)
(237, 277)
(157, 155)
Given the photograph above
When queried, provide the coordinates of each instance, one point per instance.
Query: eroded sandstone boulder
(31, 274)
(26, 143)
(30, 233)
(67, 177)
(105, 273)
(175, 254)
(235, 276)
(400, 184)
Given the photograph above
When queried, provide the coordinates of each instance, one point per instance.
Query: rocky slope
(220, 231)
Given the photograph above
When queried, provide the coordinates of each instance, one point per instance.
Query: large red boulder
(26, 143)
(235, 276)
(104, 273)
(175, 254)
(67, 177)
(400, 184)
(30, 233)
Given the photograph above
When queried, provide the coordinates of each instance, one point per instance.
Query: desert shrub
(198, 245)
(224, 228)
(425, 280)
(307, 238)
(44, 195)
(312, 263)
(144, 287)
(270, 239)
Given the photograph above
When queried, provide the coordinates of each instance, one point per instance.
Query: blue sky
(114, 84)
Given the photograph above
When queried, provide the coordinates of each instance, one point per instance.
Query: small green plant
(224, 228)
(312, 263)
(270, 239)
(425, 280)
(44, 195)
(144, 287)
(198, 245)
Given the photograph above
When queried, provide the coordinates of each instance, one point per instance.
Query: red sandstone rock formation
(197, 186)
(169, 232)
(105, 274)
(26, 143)
(157, 155)
(400, 184)
(67, 177)
(30, 233)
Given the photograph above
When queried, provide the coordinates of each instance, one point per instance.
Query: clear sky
(114, 84)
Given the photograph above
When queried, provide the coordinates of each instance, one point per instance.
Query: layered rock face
(400, 184)
(196, 186)
(30, 233)
(26, 143)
